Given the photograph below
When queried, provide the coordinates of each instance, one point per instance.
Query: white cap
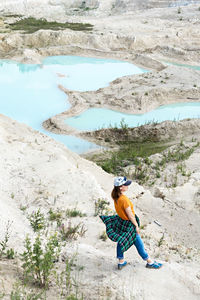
(118, 181)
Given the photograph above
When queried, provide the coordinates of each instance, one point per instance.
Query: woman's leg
(120, 254)
(140, 247)
(142, 252)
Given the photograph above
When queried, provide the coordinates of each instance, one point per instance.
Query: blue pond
(97, 118)
(30, 93)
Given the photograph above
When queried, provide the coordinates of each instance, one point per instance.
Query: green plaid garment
(121, 231)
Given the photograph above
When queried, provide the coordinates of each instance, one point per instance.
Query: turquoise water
(183, 65)
(30, 93)
(96, 118)
(88, 74)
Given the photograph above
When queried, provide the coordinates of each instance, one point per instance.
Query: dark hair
(116, 193)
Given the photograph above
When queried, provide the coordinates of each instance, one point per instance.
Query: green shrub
(4, 252)
(128, 154)
(19, 292)
(140, 173)
(37, 220)
(73, 297)
(147, 161)
(74, 213)
(64, 280)
(101, 207)
(38, 261)
(158, 175)
(161, 240)
(71, 232)
(179, 154)
(55, 216)
(10, 253)
(66, 283)
(123, 125)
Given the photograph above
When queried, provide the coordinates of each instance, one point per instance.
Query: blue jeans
(139, 246)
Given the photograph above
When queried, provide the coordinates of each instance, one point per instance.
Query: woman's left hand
(137, 230)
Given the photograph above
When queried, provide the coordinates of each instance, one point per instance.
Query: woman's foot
(154, 265)
(121, 265)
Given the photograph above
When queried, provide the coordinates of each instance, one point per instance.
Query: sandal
(155, 265)
(120, 266)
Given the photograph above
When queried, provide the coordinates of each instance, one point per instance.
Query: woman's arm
(131, 217)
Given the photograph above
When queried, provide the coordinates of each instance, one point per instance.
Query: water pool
(96, 118)
(30, 93)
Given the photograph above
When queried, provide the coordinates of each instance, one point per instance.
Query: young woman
(124, 228)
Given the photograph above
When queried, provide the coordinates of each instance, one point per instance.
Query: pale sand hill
(39, 172)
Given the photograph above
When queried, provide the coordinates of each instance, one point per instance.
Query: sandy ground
(37, 172)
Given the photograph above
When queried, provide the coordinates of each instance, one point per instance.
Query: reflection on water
(30, 93)
(28, 68)
(22, 67)
(96, 118)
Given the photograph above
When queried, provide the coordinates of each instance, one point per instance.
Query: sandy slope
(39, 172)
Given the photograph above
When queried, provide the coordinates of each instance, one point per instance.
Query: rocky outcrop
(165, 131)
(66, 38)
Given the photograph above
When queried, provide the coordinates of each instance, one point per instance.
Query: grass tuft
(31, 25)
(128, 154)
(71, 213)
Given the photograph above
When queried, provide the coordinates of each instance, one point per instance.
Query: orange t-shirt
(122, 203)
